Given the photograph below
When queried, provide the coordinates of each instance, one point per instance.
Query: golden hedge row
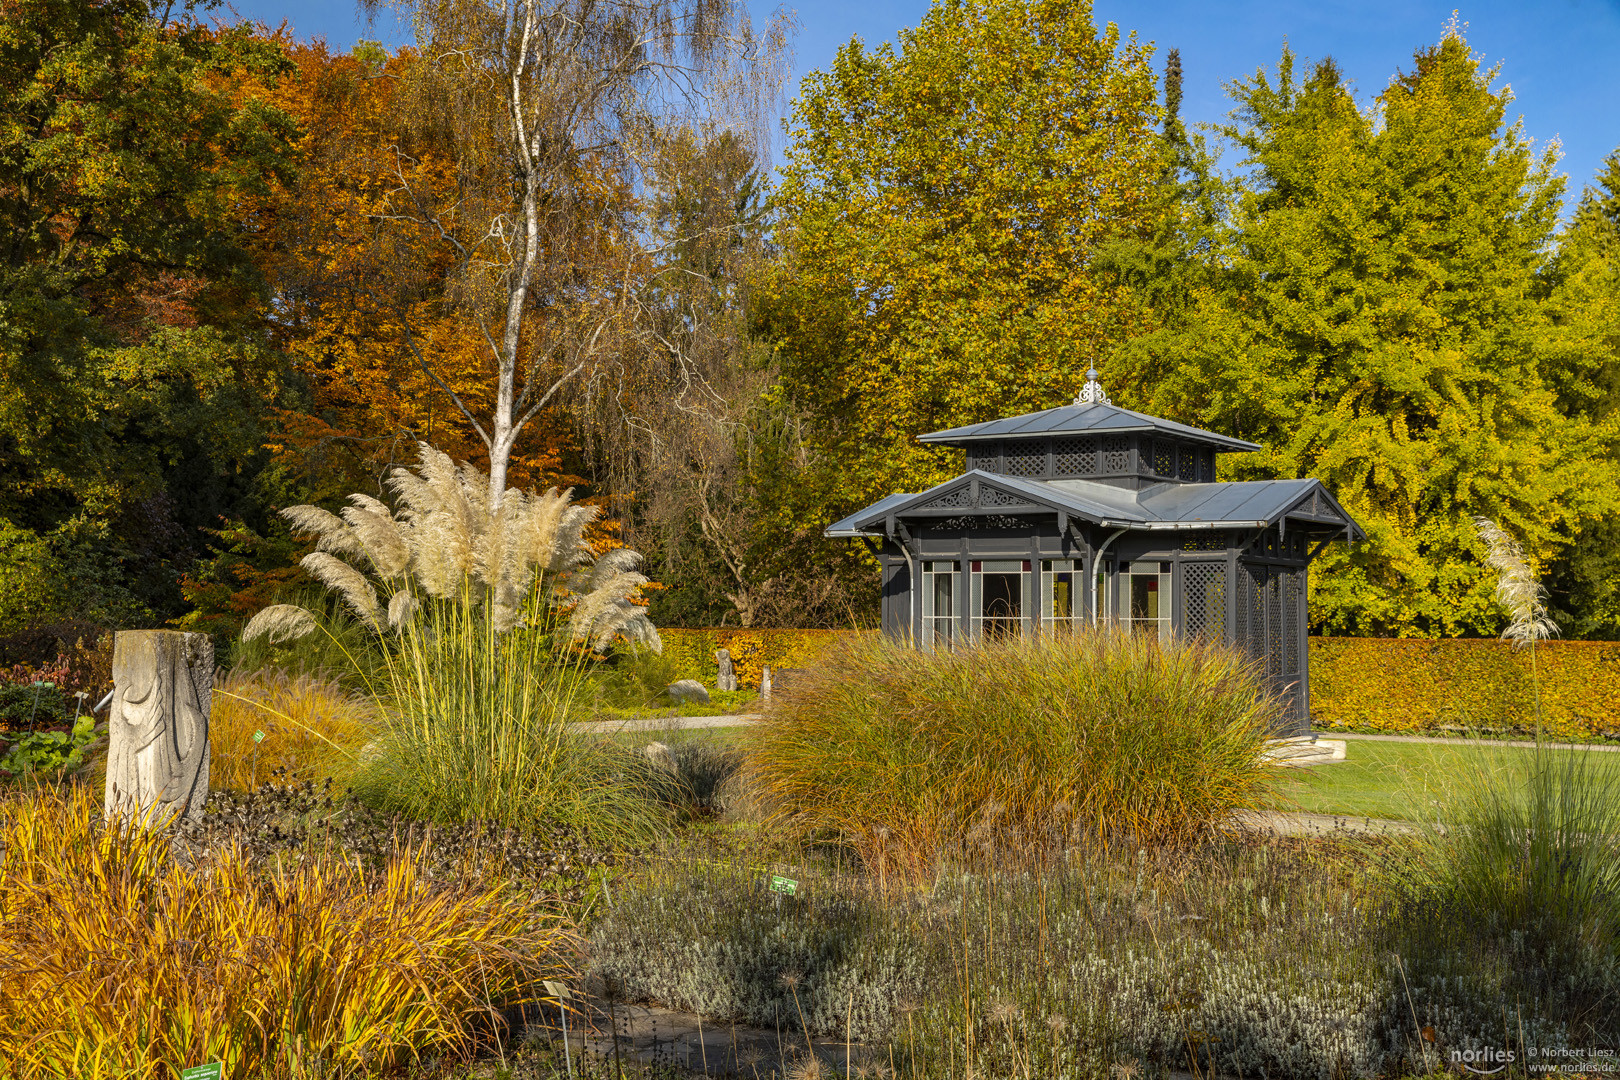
(693, 651)
(1367, 684)
(1408, 684)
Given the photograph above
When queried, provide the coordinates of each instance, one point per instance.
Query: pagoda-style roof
(1254, 504)
(1082, 418)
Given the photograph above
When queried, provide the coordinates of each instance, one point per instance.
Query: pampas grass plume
(282, 622)
(1516, 586)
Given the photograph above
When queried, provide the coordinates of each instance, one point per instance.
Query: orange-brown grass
(311, 726)
(115, 961)
(905, 753)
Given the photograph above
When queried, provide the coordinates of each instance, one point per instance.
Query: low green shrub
(634, 678)
(1257, 953)
(897, 751)
(27, 706)
(48, 754)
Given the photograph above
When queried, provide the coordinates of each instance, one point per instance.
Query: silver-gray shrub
(1256, 959)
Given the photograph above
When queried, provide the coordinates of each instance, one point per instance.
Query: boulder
(689, 690)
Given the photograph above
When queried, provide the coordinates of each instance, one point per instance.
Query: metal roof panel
(1076, 419)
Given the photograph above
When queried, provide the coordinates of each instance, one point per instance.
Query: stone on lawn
(689, 690)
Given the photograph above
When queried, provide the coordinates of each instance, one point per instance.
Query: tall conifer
(1370, 310)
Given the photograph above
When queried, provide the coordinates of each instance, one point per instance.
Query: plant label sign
(784, 885)
(258, 736)
(214, 1070)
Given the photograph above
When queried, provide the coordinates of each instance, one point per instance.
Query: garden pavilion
(1091, 513)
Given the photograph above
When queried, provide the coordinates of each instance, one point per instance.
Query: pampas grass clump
(448, 543)
(482, 622)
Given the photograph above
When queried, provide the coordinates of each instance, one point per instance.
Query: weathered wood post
(157, 752)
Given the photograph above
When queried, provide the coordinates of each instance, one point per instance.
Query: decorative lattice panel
(1075, 456)
(1022, 459)
(1274, 622)
(959, 499)
(1290, 614)
(1206, 466)
(1253, 582)
(1204, 541)
(1204, 590)
(1116, 453)
(1164, 457)
(1187, 463)
(992, 497)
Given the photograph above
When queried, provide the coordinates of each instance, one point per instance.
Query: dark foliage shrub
(281, 821)
(25, 707)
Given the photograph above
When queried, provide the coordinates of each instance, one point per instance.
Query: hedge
(1363, 684)
(693, 650)
(1413, 684)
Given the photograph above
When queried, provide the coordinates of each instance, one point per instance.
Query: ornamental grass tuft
(901, 753)
(118, 960)
(311, 726)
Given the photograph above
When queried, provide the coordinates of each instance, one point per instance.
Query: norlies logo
(1479, 1061)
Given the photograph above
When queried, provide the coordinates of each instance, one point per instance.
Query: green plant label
(214, 1070)
(258, 736)
(784, 885)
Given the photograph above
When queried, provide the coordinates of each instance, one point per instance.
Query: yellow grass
(905, 753)
(115, 962)
(311, 727)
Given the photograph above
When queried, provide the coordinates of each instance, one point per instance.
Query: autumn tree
(942, 205)
(349, 290)
(1371, 308)
(545, 109)
(132, 372)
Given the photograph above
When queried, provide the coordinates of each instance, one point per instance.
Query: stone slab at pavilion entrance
(1090, 513)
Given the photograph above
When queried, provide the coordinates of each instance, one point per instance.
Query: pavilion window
(1141, 599)
(940, 589)
(1060, 594)
(997, 605)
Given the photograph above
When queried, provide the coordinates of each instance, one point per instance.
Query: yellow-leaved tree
(942, 206)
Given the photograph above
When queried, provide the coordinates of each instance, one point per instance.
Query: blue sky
(1561, 57)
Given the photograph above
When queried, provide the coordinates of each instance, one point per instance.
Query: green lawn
(1402, 781)
(721, 703)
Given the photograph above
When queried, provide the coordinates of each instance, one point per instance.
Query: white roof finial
(1092, 392)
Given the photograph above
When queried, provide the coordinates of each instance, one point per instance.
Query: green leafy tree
(942, 205)
(133, 365)
(1371, 309)
(1583, 292)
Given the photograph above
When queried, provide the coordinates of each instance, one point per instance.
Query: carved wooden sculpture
(157, 754)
